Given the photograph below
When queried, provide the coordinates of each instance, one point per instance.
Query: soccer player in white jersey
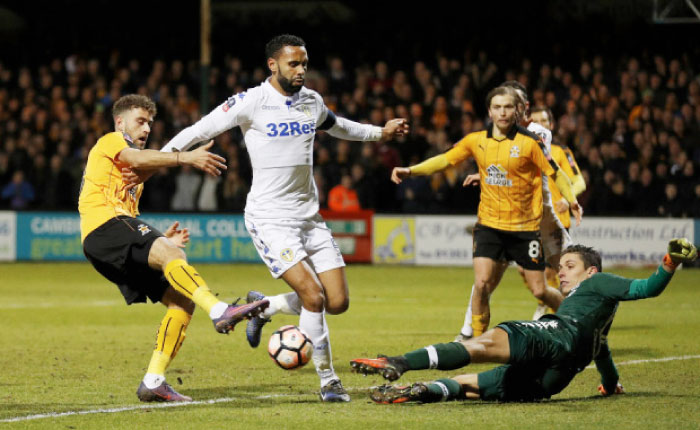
(554, 235)
(279, 120)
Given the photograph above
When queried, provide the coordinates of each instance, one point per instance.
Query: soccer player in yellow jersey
(553, 235)
(140, 260)
(509, 159)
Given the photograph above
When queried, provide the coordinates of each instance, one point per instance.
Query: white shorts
(282, 243)
(555, 238)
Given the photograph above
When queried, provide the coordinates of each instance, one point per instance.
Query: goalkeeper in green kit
(540, 357)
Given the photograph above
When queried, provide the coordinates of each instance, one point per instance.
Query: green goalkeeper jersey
(589, 309)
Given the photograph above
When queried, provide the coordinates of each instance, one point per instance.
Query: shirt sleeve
(619, 288)
(579, 184)
(461, 150)
(235, 111)
(111, 145)
(611, 286)
(350, 130)
(560, 157)
(606, 367)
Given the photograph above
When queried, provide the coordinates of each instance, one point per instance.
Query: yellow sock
(480, 323)
(185, 279)
(171, 334)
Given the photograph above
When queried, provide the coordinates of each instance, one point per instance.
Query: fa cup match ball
(290, 348)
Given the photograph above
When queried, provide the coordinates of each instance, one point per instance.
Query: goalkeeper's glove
(619, 389)
(680, 251)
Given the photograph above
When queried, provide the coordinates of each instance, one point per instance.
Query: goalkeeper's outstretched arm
(679, 251)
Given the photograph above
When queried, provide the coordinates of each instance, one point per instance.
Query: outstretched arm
(346, 129)
(147, 159)
(237, 110)
(679, 251)
(427, 167)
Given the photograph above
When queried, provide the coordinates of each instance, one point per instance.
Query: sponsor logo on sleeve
(231, 101)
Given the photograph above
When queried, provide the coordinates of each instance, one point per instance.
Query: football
(289, 347)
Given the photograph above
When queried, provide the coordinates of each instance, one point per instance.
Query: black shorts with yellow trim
(523, 247)
(118, 250)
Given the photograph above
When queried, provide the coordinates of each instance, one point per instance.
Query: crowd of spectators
(633, 124)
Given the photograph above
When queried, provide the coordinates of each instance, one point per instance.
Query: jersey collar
(278, 96)
(510, 135)
(129, 140)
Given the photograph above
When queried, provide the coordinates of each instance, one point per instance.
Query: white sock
(467, 329)
(217, 310)
(151, 380)
(288, 304)
(314, 325)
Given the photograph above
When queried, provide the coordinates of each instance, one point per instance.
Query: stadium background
(624, 90)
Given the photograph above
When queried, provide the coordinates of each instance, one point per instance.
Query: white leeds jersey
(546, 137)
(279, 134)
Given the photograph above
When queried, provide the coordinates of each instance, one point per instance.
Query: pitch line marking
(652, 360)
(268, 396)
(135, 408)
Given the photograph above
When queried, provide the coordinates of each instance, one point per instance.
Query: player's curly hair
(131, 101)
(590, 256)
(274, 46)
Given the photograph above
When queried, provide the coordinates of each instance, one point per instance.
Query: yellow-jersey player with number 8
(509, 158)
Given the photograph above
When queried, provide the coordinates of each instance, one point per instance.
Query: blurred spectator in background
(232, 192)
(672, 205)
(343, 197)
(19, 193)
(632, 122)
(187, 184)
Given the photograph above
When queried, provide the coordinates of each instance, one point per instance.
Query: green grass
(70, 344)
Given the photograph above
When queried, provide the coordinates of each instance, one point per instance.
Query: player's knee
(173, 253)
(538, 292)
(313, 301)
(482, 286)
(337, 306)
(188, 307)
(171, 297)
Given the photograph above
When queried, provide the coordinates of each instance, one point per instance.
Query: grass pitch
(69, 344)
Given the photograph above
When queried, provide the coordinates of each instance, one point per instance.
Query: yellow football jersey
(102, 193)
(565, 159)
(508, 169)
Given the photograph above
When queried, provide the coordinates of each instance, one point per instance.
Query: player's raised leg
(287, 303)
(187, 281)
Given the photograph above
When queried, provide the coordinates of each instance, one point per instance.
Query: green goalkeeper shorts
(545, 342)
(510, 383)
